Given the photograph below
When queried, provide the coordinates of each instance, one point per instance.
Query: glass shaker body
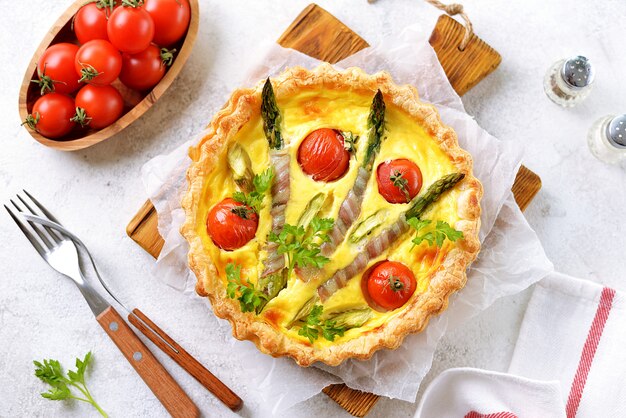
(607, 139)
(569, 81)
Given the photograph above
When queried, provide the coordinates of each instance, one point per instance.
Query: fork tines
(41, 237)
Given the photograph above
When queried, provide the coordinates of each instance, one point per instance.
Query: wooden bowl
(135, 103)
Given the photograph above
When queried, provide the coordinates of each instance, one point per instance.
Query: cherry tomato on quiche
(231, 224)
(52, 115)
(144, 70)
(90, 22)
(322, 155)
(98, 106)
(55, 69)
(399, 180)
(98, 62)
(390, 285)
(130, 28)
(171, 19)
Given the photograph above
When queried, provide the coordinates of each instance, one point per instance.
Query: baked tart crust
(449, 277)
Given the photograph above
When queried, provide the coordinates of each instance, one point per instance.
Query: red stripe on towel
(474, 414)
(589, 351)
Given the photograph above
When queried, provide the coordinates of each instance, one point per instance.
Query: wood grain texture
(185, 360)
(464, 68)
(135, 103)
(164, 387)
(317, 33)
(321, 35)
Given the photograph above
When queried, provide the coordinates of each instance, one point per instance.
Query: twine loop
(452, 10)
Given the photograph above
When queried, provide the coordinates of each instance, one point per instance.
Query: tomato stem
(45, 82)
(31, 121)
(81, 117)
(132, 3)
(167, 56)
(395, 283)
(88, 72)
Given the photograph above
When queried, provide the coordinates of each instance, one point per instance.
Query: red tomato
(98, 62)
(323, 156)
(56, 69)
(390, 284)
(102, 106)
(231, 224)
(51, 115)
(144, 70)
(90, 22)
(130, 29)
(399, 181)
(171, 19)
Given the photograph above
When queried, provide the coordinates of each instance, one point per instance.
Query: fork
(139, 319)
(62, 255)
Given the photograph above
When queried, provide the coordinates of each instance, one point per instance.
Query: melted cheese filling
(347, 111)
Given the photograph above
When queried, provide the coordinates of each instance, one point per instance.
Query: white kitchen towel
(475, 393)
(574, 331)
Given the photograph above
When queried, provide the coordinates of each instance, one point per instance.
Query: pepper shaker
(607, 139)
(568, 82)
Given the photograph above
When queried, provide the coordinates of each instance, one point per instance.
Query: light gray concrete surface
(578, 215)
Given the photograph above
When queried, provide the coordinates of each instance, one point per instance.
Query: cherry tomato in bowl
(52, 115)
(399, 180)
(171, 19)
(322, 155)
(90, 22)
(130, 28)
(144, 70)
(98, 106)
(55, 69)
(98, 62)
(231, 224)
(388, 285)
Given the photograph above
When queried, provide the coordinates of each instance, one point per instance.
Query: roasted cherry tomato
(98, 62)
(231, 224)
(144, 70)
(52, 115)
(130, 28)
(399, 181)
(171, 19)
(322, 155)
(90, 22)
(98, 106)
(390, 285)
(56, 69)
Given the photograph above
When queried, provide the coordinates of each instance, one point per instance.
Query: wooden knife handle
(164, 387)
(185, 360)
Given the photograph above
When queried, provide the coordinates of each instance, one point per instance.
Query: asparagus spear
(241, 167)
(271, 116)
(351, 319)
(368, 225)
(382, 241)
(432, 194)
(311, 210)
(376, 125)
(270, 286)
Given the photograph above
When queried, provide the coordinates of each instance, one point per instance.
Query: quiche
(329, 214)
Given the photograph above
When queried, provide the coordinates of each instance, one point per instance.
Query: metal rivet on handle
(137, 356)
(113, 326)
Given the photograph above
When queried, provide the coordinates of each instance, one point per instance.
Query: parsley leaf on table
(248, 296)
(302, 246)
(261, 183)
(51, 372)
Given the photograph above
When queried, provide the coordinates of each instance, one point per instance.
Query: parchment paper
(511, 259)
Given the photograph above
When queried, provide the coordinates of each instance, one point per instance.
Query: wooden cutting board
(319, 34)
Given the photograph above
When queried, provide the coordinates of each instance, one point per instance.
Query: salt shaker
(607, 139)
(568, 82)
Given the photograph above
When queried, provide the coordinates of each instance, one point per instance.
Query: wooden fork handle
(164, 387)
(185, 360)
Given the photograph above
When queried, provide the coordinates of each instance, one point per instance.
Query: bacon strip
(372, 249)
(280, 195)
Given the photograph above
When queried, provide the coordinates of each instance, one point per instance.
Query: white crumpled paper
(511, 259)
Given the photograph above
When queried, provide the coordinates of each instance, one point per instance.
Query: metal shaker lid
(578, 72)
